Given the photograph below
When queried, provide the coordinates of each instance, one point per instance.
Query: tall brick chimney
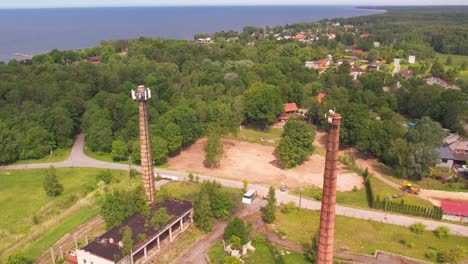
(142, 95)
(327, 214)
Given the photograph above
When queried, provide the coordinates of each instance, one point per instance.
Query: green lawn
(363, 236)
(265, 253)
(56, 156)
(457, 60)
(255, 136)
(24, 202)
(356, 198)
(50, 237)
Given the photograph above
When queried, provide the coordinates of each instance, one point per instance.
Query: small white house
(412, 59)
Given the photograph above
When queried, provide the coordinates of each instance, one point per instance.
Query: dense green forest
(46, 101)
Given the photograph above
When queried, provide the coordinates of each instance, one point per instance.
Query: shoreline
(337, 12)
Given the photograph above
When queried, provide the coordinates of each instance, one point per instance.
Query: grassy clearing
(355, 198)
(24, 204)
(264, 253)
(457, 60)
(367, 236)
(56, 156)
(383, 190)
(49, 238)
(269, 137)
(180, 245)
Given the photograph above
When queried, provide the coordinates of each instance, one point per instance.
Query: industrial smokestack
(142, 95)
(327, 214)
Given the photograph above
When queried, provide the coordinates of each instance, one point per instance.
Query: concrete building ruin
(327, 214)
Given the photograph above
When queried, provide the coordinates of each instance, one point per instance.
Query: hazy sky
(92, 3)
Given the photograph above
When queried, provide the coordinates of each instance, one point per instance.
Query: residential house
(320, 97)
(94, 59)
(204, 41)
(289, 109)
(407, 74)
(358, 52)
(331, 36)
(442, 83)
(300, 36)
(355, 72)
(365, 35)
(318, 65)
(454, 152)
(348, 26)
(454, 210)
(411, 59)
(108, 248)
(446, 157)
(375, 66)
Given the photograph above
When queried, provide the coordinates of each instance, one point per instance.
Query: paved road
(79, 159)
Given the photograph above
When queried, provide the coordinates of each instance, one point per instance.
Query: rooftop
(454, 207)
(107, 245)
(290, 107)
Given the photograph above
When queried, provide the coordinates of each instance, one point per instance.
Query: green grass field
(264, 253)
(363, 236)
(57, 156)
(255, 136)
(25, 205)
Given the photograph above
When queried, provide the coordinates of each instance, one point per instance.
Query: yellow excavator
(410, 188)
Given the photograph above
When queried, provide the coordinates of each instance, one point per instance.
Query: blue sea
(34, 31)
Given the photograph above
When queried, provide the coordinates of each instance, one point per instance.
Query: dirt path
(272, 238)
(196, 253)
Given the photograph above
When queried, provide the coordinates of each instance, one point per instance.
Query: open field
(367, 236)
(257, 164)
(264, 253)
(26, 207)
(269, 137)
(56, 156)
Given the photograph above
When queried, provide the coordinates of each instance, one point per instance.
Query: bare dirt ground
(257, 164)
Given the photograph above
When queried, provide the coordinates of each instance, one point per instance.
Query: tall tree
(119, 150)
(8, 145)
(51, 184)
(263, 103)
(213, 149)
(269, 215)
(295, 145)
(159, 148)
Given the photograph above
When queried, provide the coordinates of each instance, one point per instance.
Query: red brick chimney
(327, 214)
(142, 95)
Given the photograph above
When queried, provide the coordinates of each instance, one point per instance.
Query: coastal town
(337, 141)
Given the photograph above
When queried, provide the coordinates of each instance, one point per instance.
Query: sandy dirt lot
(257, 164)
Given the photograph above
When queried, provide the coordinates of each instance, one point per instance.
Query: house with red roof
(300, 36)
(454, 210)
(365, 35)
(358, 52)
(407, 74)
(289, 108)
(320, 97)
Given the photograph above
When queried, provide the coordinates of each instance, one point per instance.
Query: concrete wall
(456, 218)
(85, 257)
(447, 164)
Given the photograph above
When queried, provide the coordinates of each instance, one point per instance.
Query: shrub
(430, 254)
(105, 176)
(190, 176)
(230, 260)
(158, 177)
(289, 207)
(442, 232)
(235, 241)
(236, 228)
(407, 242)
(51, 184)
(451, 255)
(418, 228)
(18, 258)
(318, 196)
(142, 237)
(160, 218)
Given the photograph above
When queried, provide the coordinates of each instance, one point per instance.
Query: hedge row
(403, 208)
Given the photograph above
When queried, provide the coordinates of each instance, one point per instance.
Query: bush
(190, 176)
(236, 228)
(289, 207)
(442, 232)
(418, 228)
(18, 258)
(51, 184)
(230, 260)
(451, 255)
(430, 254)
(407, 243)
(142, 237)
(105, 176)
(318, 196)
(160, 218)
(158, 177)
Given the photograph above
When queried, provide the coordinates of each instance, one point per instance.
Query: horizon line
(233, 5)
